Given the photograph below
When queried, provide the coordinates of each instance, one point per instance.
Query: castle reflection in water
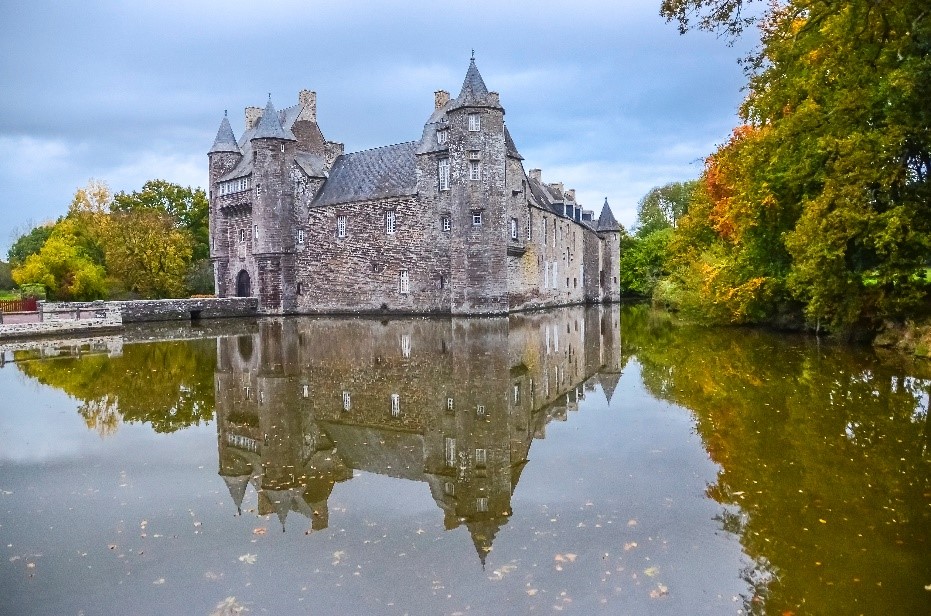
(455, 403)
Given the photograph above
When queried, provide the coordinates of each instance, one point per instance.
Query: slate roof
(473, 84)
(286, 117)
(380, 173)
(269, 126)
(312, 164)
(606, 221)
(509, 144)
(226, 140)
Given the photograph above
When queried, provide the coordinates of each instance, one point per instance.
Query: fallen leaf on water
(659, 591)
(501, 571)
(228, 607)
(651, 571)
(632, 522)
(629, 546)
(159, 582)
(249, 559)
(261, 530)
(571, 557)
(532, 591)
(822, 521)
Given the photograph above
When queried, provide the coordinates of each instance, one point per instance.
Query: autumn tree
(187, 207)
(65, 266)
(147, 253)
(823, 197)
(29, 243)
(663, 206)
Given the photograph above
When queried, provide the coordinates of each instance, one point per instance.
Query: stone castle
(447, 224)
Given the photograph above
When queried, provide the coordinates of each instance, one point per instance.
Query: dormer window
(475, 122)
(441, 136)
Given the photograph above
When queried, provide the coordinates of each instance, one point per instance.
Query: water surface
(598, 460)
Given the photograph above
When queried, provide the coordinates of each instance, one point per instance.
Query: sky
(603, 96)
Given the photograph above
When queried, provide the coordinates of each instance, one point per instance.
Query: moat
(582, 460)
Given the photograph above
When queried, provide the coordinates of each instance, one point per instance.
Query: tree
(64, 266)
(29, 243)
(6, 277)
(187, 207)
(643, 261)
(147, 253)
(823, 197)
(663, 206)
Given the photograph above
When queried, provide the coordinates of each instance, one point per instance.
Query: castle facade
(447, 224)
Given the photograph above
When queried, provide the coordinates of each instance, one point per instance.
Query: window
(475, 122)
(447, 223)
(543, 235)
(513, 228)
(255, 232)
(475, 170)
(481, 458)
(449, 404)
(442, 173)
(474, 155)
(300, 288)
(404, 283)
(347, 401)
(529, 224)
(516, 393)
(242, 235)
(449, 488)
(390, 220)
(305, 391)
(476, 218)
(395, 405)
(300, 236)
(341, 226)
(441, 136)
(480, 410)
(481, 504)
(450, 447)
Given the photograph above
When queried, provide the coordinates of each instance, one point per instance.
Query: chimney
(536, 174)
(440, 98)
(557, 186)
(308, 102)
(570, 194)
(253, 115)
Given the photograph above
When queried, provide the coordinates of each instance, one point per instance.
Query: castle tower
(609, 230)
(273, 149)
(223, 156)
(477, 199)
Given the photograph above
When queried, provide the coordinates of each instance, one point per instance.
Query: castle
(448, 224)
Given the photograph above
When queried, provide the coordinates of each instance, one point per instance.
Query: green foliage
(29, 244)
(663, 206)
(65, 266)
(643, 261)
(199, 278)
(6, 276)
(147, 253)
(823, 200)
(187, 207)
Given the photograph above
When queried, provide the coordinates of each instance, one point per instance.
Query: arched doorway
(243, 284)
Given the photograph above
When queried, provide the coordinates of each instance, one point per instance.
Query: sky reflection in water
(683, 471)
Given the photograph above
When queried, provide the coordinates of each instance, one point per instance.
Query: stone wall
(65, 319)
(139, 311)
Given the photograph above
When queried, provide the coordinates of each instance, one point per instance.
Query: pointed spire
(226, 140)
(606, 221)
(473, 86)
(269, 126)
(237, 488)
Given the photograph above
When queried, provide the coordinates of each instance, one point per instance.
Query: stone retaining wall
(81, 318)
(143, 310)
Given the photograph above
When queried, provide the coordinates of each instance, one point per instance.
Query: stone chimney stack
(308, 101)
(440, 98)
(557, 186)
(536, 174)
(570, 194)
(253, 115)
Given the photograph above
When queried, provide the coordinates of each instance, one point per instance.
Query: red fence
(27, 304)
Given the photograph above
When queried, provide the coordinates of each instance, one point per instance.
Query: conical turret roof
(226, 140)
(606, 221)
(473, 86)
(269, 126)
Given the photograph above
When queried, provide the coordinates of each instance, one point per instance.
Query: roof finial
(269, 96)
(473, 55)
(224, 113)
